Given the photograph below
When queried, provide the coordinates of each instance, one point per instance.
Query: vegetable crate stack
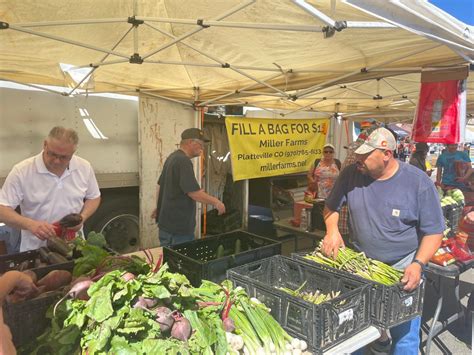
(210, 258)
(452, 204)
(50, 268)
(390, 305)
(319, 306)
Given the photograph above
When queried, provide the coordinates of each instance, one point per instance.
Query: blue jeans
(167, 238)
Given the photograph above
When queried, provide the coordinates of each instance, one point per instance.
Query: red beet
(181, 329)
(79, 289)
(71, 220)
(164, 318)
(128, 276)
(144, 302)
(229, 325)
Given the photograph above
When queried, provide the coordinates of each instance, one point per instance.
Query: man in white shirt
(47, 187)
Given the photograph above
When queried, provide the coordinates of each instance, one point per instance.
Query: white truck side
(108, 139)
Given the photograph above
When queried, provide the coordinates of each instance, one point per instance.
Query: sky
(463, 10)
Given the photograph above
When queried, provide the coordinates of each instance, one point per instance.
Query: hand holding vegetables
(67, 226)
(332, 242)
(41, 229)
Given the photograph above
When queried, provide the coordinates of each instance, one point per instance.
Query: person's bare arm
(439, 172)
(332, 240)
(154, 214)
(203, 197)
(468, 173)
(90, 206)
(311, 179)
(41, 229)
(428, 247)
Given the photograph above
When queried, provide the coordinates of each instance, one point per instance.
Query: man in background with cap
(178, 191)
(395, 217)
(418, 158)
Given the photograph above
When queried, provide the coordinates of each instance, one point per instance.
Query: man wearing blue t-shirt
(446, 164)
(395, 217)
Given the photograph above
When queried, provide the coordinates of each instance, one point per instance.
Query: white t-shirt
(44, 196)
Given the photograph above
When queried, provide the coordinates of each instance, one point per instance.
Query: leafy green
(97, 239)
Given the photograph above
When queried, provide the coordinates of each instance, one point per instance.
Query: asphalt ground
(457, 338)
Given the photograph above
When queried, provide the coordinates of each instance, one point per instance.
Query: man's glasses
(58, 156)
(328, 151)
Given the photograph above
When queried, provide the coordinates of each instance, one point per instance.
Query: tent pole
(221, 62)
(244, 25)
(71, 22)
(188, 34)
(305, 92)
(35, 86)
(60, 39)
(314, 12)
(236, 91)
(94, 68)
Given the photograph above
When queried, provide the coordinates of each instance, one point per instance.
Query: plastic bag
(438, 115)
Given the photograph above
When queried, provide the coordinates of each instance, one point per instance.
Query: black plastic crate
(218, 224)
(27, 320)
(453, 214)
(13, 261)
(321, 326)
(198, 259)
(389, 305)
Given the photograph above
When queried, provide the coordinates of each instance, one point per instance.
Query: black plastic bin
(322, 326)
(453, 214)
(389, 305)
(198, 259)
(13, 261)
(27, 320)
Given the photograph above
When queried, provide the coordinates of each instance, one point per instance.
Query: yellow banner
(268, 147)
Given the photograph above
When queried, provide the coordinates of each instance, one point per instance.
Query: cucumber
(59, 246)
(56, 258)
(238, 246)
(220, 251)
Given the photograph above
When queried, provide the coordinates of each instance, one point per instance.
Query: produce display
(450, 197)
(126, 305)
(316, 297)
(358, 264)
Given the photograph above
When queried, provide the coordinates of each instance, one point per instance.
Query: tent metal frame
(238, 94)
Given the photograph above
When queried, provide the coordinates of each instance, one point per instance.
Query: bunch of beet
(171, 322)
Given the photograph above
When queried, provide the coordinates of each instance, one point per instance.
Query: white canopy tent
(323, 56)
